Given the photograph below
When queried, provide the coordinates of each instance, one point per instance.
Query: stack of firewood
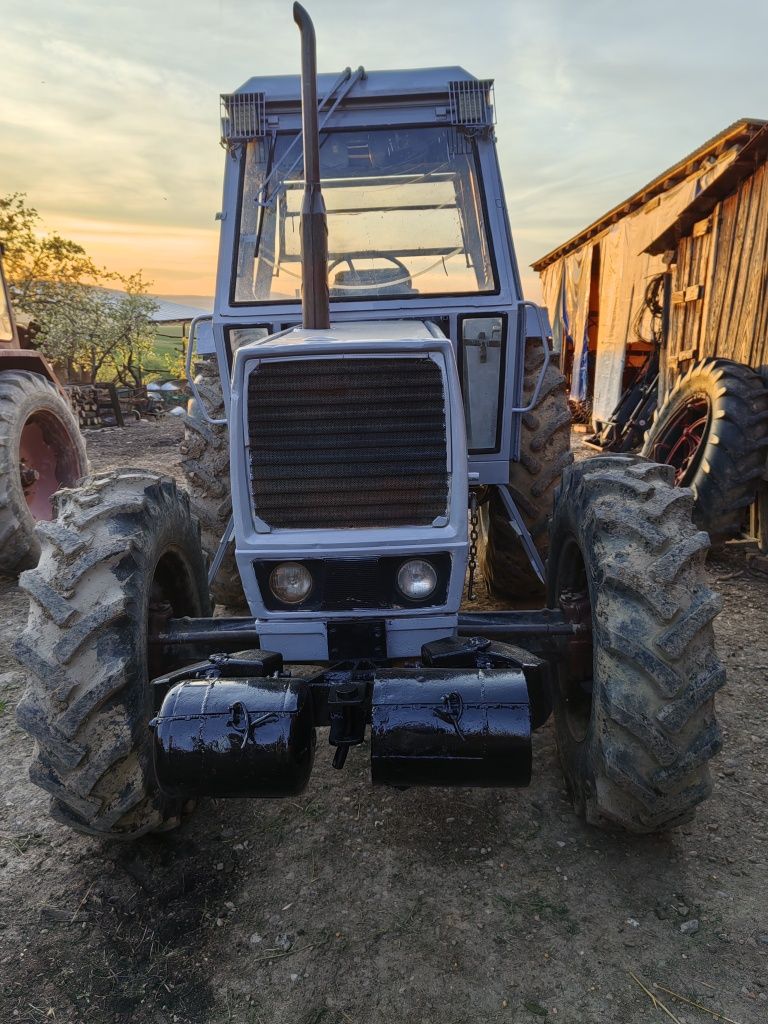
(85, 402)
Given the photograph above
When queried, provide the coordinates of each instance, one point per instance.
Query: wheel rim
(681, 442)
(48, 461)
(575, 676)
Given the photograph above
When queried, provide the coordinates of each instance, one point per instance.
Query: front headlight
(290, 582)
(416, 579)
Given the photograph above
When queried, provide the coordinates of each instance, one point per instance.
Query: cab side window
(483, 348)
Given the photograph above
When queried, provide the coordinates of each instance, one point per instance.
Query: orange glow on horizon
(173, 260)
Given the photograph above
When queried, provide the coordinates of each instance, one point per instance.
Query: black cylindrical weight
(437, 727)
(234, 737)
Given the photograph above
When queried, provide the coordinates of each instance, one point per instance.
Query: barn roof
(167, 312)
(740, 133)
(750, 157)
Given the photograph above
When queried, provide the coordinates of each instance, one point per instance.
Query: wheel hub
(46, 462)
(29, 476)
(681, 444)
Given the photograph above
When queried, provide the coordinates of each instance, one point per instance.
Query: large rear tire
(713, 430)
(205, 462)
(123, 554)
(633, 701)
(41, 450)
(545, 451)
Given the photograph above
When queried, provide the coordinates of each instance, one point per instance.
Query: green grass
(167, 346)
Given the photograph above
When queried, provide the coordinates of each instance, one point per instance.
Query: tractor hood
(369, 334)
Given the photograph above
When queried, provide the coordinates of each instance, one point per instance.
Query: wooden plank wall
(687, 294)
(720, 282)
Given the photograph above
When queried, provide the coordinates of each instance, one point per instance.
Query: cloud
(114, 110)
(103, 135)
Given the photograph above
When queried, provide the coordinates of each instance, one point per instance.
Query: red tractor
(41, 448)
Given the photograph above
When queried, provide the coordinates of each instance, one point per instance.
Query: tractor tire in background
(634, 697)
(41, 450)
(205, 462)
(713, 430)
(545, 451)
(123, 555)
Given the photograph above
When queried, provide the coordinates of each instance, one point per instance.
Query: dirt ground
(351, 905)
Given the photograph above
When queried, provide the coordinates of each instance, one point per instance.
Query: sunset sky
(109, 111)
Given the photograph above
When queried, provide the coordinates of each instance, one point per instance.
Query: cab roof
(376, 85)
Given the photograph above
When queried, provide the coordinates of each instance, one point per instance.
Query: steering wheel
(374, 256)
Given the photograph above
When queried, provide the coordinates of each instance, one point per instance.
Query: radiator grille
(348, 443)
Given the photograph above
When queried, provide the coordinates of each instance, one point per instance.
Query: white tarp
(565, 287)
(578, 273)
(552, 290)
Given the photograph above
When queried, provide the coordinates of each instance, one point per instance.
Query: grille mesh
(346, 443)
(242, 116)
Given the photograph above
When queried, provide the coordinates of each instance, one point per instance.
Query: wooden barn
(683, 261)
(717, 250)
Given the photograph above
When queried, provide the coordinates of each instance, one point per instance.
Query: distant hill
(203, 302)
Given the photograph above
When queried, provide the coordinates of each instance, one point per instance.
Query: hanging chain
(474, 520)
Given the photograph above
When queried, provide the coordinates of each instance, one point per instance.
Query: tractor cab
(417, 227)
(371, 338)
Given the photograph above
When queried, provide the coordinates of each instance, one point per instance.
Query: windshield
(405, 216)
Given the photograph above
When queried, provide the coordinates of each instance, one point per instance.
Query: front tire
(205, 462)
(123, 553)
(634, 709)
(41, 450)
(545, 451)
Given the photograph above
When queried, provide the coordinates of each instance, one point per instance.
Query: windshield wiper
(346, 80)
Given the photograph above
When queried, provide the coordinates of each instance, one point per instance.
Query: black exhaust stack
(314, 226)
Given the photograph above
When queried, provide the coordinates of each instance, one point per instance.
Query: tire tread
(643, 765)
